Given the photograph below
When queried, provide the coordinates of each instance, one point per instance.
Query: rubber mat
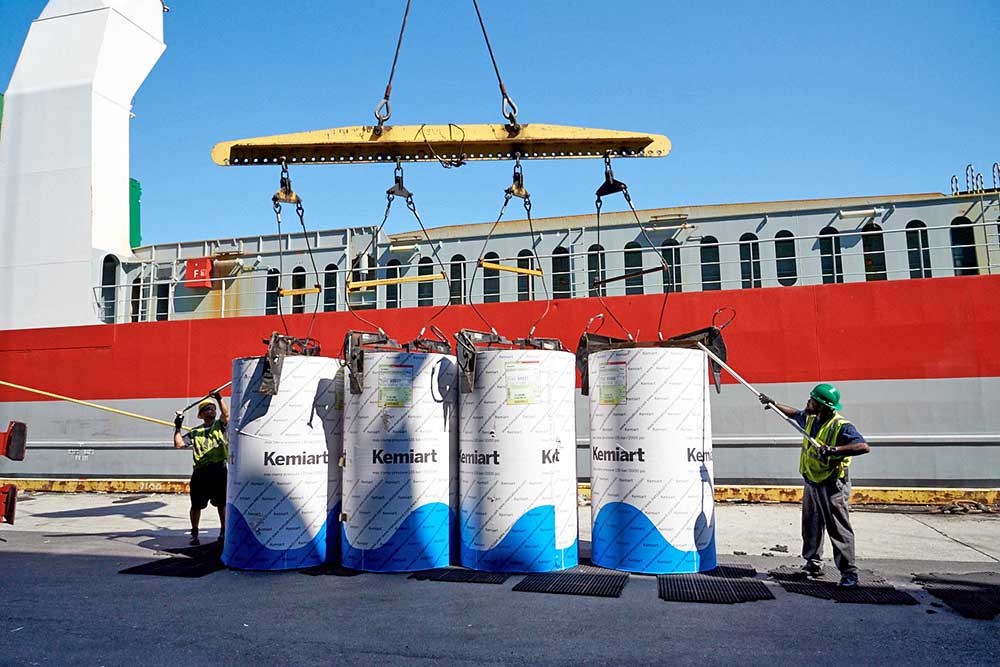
(711, 588)
(580, 580)
(329, 570)
(209, 550)
(733, 571)
(871, 588)
(177, 566)
(975, 595)
(461, 575)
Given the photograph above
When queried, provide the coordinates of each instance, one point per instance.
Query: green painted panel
(134, 205)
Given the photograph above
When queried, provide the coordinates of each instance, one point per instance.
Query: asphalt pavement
(62, 601)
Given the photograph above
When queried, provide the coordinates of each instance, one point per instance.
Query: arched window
(109, 288)
(392, 291)
(711, 271)
(829, 250)
(918, 249)
(299, 282)
(595, 269)
(874, 248)
(491, 280)
(425, 289)
(671, 250)
(561, 285)
(271, 292)
(525, 283)
(963, 247)
(139, 298)
(330, 288)
(784, 253)
(457, 282)
(750, 261)
(633, 264)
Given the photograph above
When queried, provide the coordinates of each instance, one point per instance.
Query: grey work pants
(827, 506)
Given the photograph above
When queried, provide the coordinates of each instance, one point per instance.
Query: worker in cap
(210, 451)
(826, 493)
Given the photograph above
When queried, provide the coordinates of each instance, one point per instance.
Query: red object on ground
(13, 441)
(8, 500)
(198, 272)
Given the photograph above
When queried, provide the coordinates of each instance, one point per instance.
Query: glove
(216, 396)
(828, 452)
(766, 401)
(178, 422)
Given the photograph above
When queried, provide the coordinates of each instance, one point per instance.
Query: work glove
(178, 422)
(766, 401)
(828, 452)
(216, 396)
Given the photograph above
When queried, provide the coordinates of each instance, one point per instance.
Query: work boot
(194, 540)
(848, 580)
(812, 569)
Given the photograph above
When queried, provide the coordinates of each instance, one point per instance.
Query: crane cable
(384, 109)
(507, 108)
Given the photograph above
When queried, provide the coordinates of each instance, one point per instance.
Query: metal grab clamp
(465, 353)
(592, 343)
(279, 347)
(14, 440)
(611, 185)
(354, 342)
(285, 193)
(438, 345)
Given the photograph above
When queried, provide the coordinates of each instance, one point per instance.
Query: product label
(613, 383)
(523, 382)
(395, 386)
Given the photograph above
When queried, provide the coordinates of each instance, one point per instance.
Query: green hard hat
(826, 394)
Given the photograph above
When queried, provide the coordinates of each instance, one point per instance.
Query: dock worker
(826, 493)
(210, 451)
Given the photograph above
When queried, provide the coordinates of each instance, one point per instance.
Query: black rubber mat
(329, 570)
(711, 587)
(209, 550)
(871, 588)
(580, 580)
(177, 566)
(975, 595)
(733, 571)
(461, 575)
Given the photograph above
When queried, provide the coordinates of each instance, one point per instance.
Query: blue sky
(762, 101)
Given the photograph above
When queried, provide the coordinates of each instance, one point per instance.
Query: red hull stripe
(907, 329)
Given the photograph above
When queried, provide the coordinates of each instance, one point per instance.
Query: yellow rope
(88, 404)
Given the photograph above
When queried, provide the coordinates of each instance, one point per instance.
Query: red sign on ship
(198, 272)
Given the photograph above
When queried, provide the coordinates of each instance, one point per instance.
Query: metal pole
(791, 422)
(208, 395)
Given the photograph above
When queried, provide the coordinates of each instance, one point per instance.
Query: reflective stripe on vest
(810, 465)
(208, 443)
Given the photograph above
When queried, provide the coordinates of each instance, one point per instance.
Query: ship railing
(888, 254)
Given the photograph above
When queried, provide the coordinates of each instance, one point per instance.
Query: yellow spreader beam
(365, 284)
(513, 269)
(428, 143)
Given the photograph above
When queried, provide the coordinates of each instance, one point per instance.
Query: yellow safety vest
(208, 443)
(810, 465)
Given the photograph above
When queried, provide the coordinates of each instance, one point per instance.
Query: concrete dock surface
(62, 600)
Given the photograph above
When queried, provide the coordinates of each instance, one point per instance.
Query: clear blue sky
(762, 101)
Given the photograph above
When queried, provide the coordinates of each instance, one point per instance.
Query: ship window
(633, 264)
(711, 271)
(299, 282)
(162, 302)
(750, 261)
(963, 247)
(139, 297)
(330, 288)
(457, 283)
(491, 280)
(525, 283)
(392, 291)
(595, 269)
(425, 289)
(561, 285)
(918, 249)
(671, 251)
(784, 252)
(874, 248)
(271, 292)
(829, 250)
(109, 288)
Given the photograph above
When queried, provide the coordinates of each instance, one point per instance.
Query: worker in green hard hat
(210, 450)
(826, 494)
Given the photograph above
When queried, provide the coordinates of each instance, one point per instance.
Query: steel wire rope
(281, 267)
(508, 109)
(380, 115)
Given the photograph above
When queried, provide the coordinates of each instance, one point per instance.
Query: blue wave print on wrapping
(243, 551)
(333, 535)
(529, 546)
(625, 539)
(422, 542)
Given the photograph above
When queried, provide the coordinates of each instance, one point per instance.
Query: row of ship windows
(963, 249)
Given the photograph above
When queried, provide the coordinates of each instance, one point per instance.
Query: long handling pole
(208, 395)
(791, 422)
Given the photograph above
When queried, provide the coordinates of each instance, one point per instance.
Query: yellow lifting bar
(299, 292)
(433, 143)
(365, 284)
(512, 269)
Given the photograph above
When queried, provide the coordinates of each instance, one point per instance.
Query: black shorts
(208, 484)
